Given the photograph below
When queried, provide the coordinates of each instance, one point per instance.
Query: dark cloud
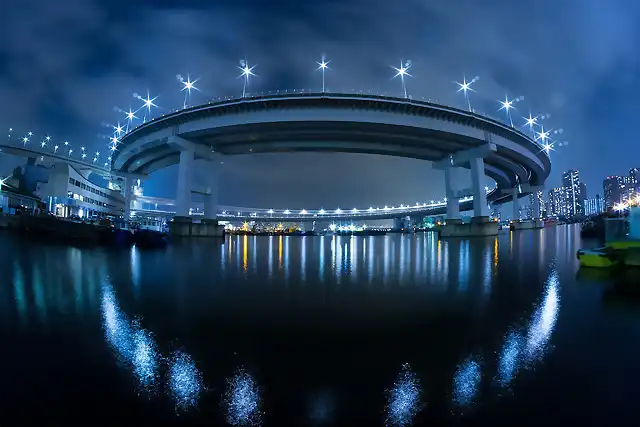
(65, 65)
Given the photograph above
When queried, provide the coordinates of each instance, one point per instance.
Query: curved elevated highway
(447, 136)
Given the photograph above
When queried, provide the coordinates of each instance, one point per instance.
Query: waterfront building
(13, 199)
(67, 193)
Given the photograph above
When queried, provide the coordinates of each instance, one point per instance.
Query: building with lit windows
(574, 189)
(67, 193)
(612, 187)
(531, 205)
(12, 199)
(594, 206)
(560, 203)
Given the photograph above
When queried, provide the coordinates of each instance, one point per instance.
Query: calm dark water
(388, 330)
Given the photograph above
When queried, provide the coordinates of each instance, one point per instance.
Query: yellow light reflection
(244, 252)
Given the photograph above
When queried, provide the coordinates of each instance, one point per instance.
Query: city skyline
(76, 90)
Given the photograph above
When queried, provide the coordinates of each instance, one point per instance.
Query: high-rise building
(613, 188)
(634, 177)
(560, 203)
(583, 191)
(571, 181)
(594, 206)
(531, 211)
(633, 185)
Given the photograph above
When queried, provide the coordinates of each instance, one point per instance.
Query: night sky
(65, 65)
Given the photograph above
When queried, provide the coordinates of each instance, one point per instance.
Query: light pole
(322, 66)
(246, 72)
(403, 71)
(465, 87)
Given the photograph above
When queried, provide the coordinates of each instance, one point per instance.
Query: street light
(403, 71)
(465, 87)
(322, 66)
(507, 106)
(187, 85)
(246, 72)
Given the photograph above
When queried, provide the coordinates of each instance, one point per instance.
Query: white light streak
(148, 102)
(187, 85)
(531, 121)
(403, 71)
(507, 106)
(465, 88)
(323, 65)
(246, 72)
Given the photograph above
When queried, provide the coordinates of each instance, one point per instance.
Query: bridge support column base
(480, 226)
(529, 224)
(182, 226)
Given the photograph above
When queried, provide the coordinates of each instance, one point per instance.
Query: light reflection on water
(133, 345)
(543, 320)
(404, 398)
(509, 358)
(466, 382)
(136, 349)
(424, 261)
(185, 381)
(242, 400)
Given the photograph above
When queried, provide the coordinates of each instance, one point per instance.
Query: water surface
(385, 330)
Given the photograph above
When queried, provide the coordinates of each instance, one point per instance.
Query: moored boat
(598, 257)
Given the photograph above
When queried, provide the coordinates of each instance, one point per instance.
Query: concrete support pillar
(398, 223)
(453, 206)
(128, 197)
(183, 196)
(480, 207)
(211, 201)
(516, 206)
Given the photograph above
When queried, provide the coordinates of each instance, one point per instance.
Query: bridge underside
(338, 123)
(389, 140)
